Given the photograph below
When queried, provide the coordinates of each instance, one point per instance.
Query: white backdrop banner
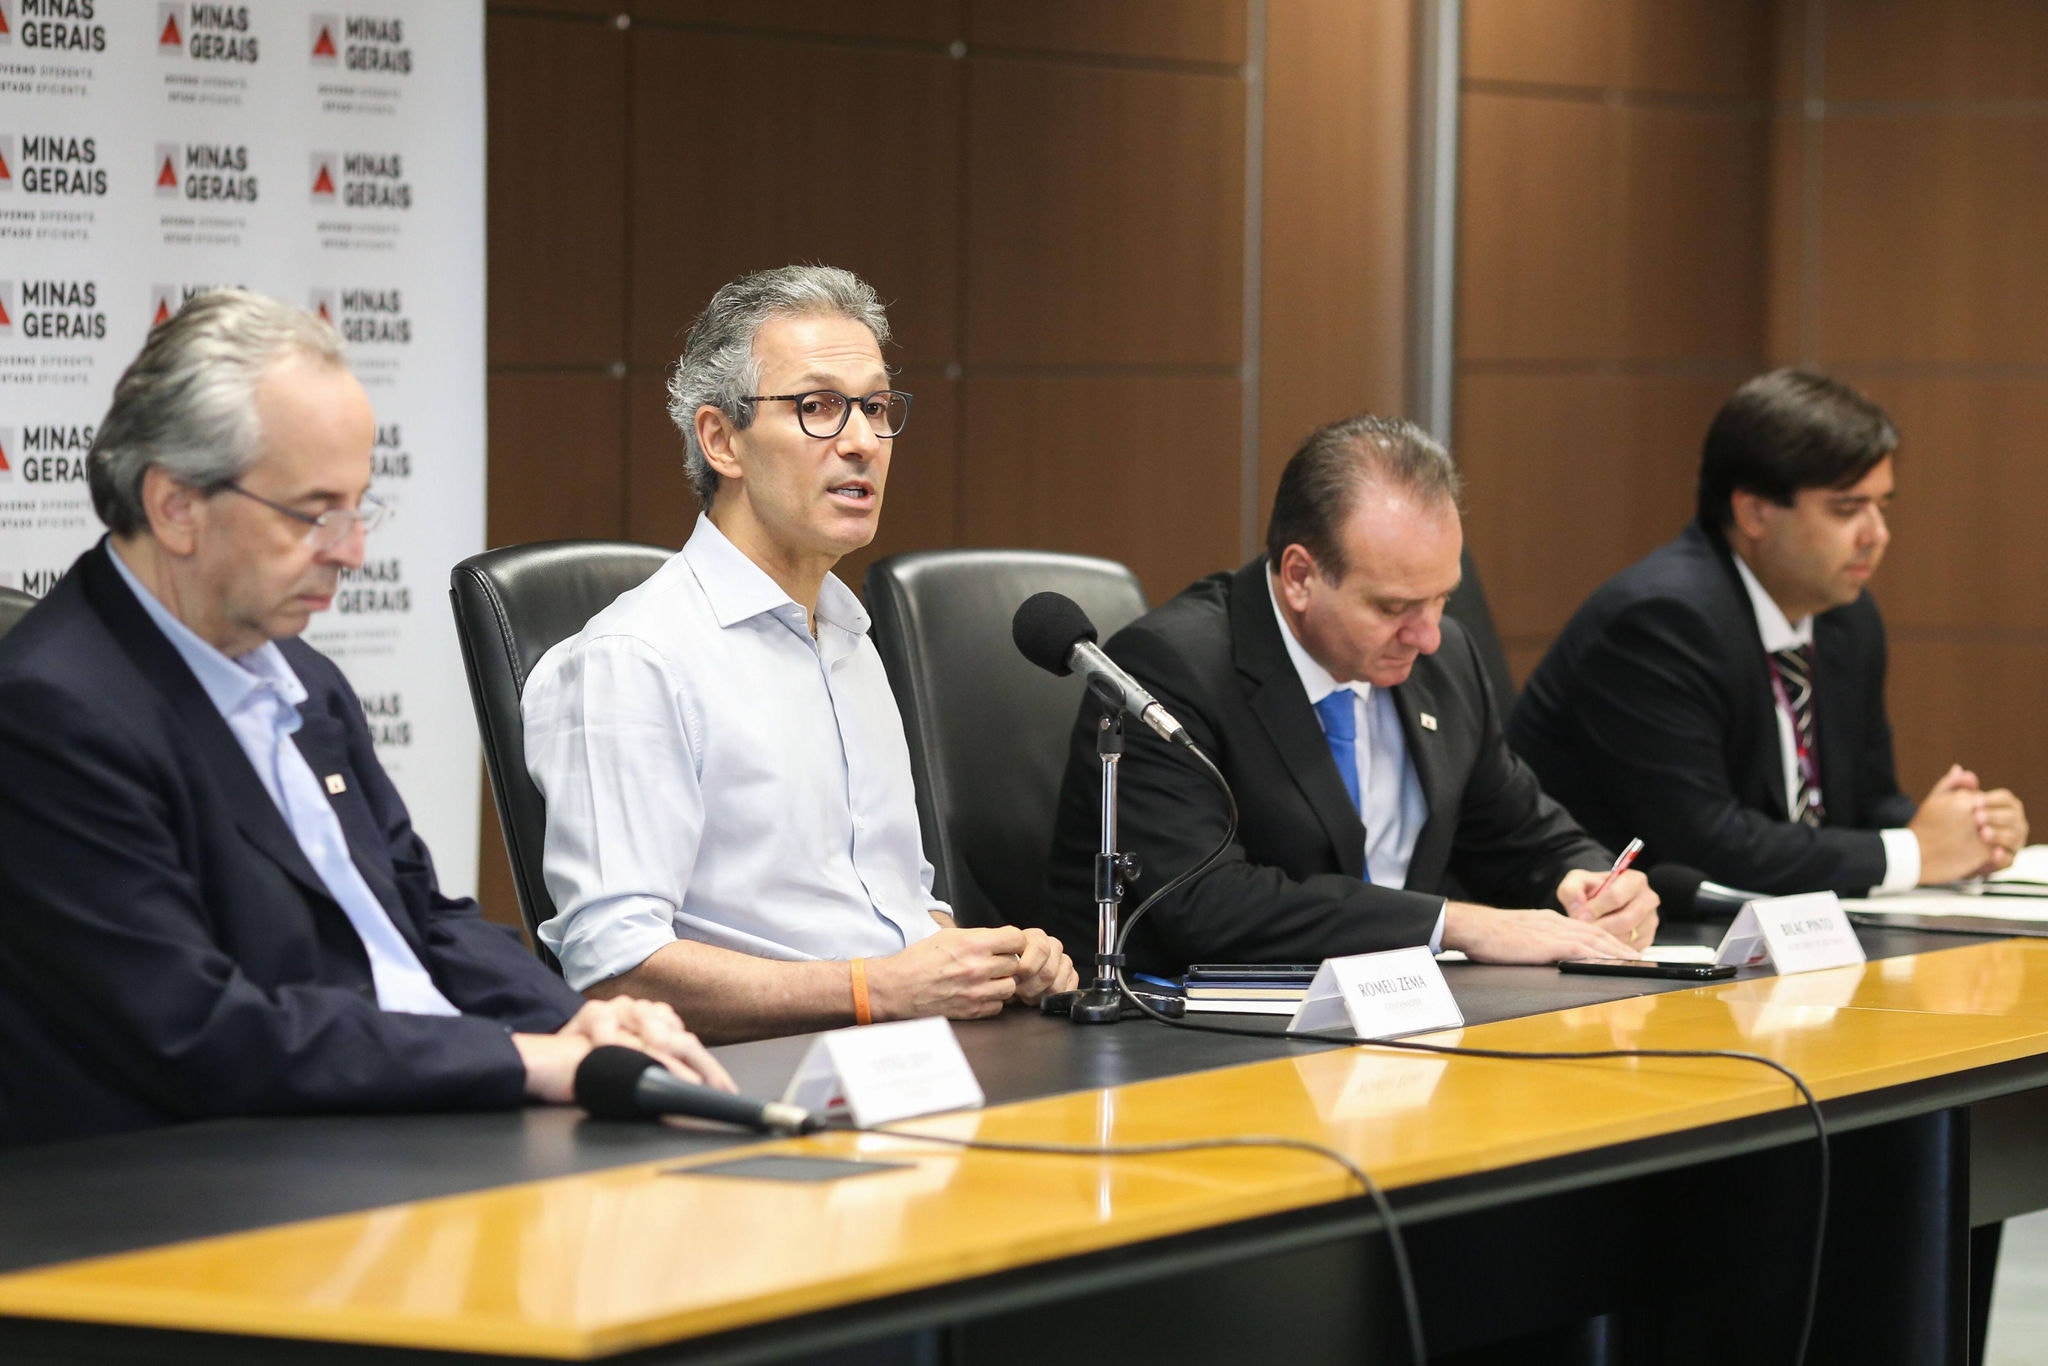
(330, 155)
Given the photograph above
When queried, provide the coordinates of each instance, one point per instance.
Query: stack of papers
(2017, 895)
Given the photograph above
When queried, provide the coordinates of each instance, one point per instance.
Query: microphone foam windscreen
(1046, 627)
(605, 1080)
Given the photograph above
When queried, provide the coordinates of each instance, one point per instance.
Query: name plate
(883, 1072)
(1381, 995)
(1793, 934)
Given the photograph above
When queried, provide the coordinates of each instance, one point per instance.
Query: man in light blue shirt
(731, 826)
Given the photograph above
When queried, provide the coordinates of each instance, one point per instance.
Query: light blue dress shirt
(258, 695)
(1391, 803)
(714, 773)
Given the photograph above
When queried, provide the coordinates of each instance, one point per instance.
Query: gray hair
(1322, 481)
(718, 368)
(188, 401)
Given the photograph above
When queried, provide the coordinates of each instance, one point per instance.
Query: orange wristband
(859, 969)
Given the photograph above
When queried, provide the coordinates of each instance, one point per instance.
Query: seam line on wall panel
(1253, 304)
(1112, 62)
(1964, 108)
(1731, 105)
(1681, 365)
(1814, 88)
(1082, 370)
(1436, 105)
(963, 283)
(627, 316)
(1942, 369)
(598, 369)
(931, 47)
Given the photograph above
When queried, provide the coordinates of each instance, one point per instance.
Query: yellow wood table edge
(75, 1291)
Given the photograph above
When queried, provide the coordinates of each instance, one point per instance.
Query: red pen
(1621, 864)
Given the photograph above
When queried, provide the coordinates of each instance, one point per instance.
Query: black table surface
(60, 1202)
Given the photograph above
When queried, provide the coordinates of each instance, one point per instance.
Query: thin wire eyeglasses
(326, 530)
(822, 413)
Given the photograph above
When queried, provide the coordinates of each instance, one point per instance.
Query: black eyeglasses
(822, 413)
(326, 530)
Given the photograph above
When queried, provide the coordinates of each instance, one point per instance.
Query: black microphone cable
(1403, 1272)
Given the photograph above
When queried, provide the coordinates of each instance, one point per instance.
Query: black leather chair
(1468, 608)
(14, 605)
(988, 730)
(511, 605)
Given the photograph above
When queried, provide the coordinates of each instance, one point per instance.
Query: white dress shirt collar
(1316, 681)
(1771, 625)
(228, 682)
(737, 588)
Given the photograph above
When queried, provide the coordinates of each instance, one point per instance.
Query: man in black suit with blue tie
(1353, 722)
(212, 900)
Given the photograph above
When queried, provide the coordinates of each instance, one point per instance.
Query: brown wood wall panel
(870, 183)
(1105, 220)
(1539, 451)
(1694, 215)
(588, 9)
(1142, 470)
(935, 21)
(1334, 289)
(660, 509)
(1594, 231)
(1171, 30)
(556, 211)
(555, 457)
(1537, 229)
(1973, 700)
(1937, 50)
(1785, 241)
(1548, 42)
(1931, 224)
(1669, 47)
(1972, 470)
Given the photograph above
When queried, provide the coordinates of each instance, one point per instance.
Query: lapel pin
(336, 784)
(1428, 721)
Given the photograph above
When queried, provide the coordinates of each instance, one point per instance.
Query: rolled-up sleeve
(613, 748)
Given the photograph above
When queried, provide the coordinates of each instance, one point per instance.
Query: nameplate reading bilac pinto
(883, 1072)
(1380, 995)
(1793, 934)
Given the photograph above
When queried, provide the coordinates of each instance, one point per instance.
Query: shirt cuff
(1436, 936)
(1901, 860)
(599, 940)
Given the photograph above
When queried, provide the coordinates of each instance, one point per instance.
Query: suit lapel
(1833, 723)
(1752, 668)
(1412, 700)
(1277, 699)
(249, 803)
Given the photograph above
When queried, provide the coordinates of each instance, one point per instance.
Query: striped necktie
(1792, 680)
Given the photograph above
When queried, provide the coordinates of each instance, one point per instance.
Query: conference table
(1672, 1196)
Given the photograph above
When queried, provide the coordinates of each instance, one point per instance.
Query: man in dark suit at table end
(212, 900)
(1354, 724)
(1724, 697)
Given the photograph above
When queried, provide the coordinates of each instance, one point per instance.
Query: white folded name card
(1381, 995)
(1793, 934)
(883, 1072)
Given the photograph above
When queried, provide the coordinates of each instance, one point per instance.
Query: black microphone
(1054, 633)
(624, 1083)
(1688, 892)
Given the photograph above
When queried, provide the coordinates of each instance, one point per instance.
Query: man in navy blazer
(1723, 698)
(212, 900)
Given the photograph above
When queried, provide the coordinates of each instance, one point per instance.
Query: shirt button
(860, 823)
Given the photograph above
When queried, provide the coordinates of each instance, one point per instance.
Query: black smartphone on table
(1648, 967)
